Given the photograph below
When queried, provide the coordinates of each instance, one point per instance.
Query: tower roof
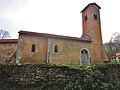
(91, 4)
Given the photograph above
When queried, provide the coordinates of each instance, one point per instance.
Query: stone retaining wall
(50, 75)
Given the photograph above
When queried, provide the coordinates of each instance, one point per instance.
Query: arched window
(56, 48)
(95, 16)
(33, 48)
(85, 17)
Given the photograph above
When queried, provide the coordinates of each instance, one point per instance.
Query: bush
(59, 77)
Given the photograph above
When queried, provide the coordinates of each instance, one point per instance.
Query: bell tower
(91, 22)
(92, 30)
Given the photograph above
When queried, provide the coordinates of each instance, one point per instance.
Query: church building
(34, 47)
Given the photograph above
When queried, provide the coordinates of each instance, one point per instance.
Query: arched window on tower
(85, 17)
(95, 16)
(56, 49)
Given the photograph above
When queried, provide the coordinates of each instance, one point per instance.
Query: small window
(33, 48)
(95, 16)
(84, 51)
(56, 48)
(85, 17)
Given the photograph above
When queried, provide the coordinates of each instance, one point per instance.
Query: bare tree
(113, 45)
(110, 49)
(4, 34)
(116, 40)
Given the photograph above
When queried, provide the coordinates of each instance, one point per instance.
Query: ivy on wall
(59, 77)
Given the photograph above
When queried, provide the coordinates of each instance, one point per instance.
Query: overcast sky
(60, 17)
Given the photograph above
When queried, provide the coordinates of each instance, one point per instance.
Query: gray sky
(60, 17)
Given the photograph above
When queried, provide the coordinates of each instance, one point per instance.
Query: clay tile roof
(8, 40)
(91, 4)
(54, 36)
(114, 56)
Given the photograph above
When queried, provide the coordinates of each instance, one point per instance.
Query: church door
(85, 57)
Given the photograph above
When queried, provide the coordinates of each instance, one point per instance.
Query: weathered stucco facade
(69, 50)
(25, 43)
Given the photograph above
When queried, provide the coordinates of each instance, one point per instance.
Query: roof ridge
(54, 35)
(8, 40)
